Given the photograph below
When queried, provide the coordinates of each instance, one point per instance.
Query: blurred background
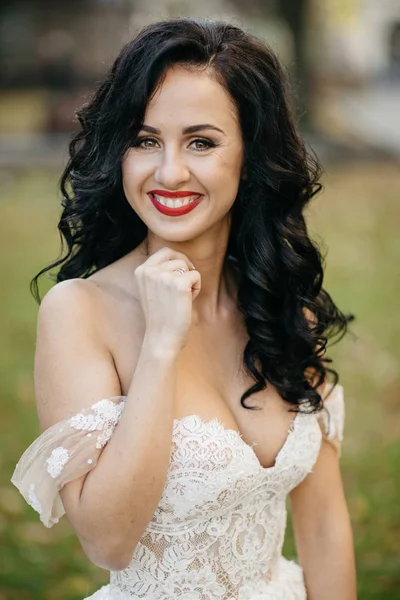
(343, 57)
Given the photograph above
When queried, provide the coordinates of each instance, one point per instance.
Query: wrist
(160, 350)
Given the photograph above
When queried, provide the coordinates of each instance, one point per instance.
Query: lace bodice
(218, 531)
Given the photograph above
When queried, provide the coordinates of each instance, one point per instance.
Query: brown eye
(203, 144)
(145, 142)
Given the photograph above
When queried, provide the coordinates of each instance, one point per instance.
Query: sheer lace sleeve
(65, 451)
(331, 418)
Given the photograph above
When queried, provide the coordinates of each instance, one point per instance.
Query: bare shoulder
(91, 303)
(67, 297)
(72, 308)
(73, 365)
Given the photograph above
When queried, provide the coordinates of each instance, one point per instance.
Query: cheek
(224, 173)
(131, 184)
(134, 170)
(130, 180)
(229, 159)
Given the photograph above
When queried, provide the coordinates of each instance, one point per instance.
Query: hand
(166, 296)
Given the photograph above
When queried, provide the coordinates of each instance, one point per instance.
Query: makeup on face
(174, 204)
(187, 155)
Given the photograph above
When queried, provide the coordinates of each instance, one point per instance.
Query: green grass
(358, 217)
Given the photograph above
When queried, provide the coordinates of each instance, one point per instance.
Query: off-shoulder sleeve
(331, 418)
(65, 451)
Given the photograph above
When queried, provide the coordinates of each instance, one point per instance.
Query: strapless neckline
(239, 436)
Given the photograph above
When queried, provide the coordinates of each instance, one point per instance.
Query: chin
(177, 238)
(173, 232)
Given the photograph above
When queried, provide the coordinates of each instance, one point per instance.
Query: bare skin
(210, 372)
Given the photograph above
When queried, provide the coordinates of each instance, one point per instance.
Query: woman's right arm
(109, 507)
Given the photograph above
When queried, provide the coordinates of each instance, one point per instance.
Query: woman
(179, 371)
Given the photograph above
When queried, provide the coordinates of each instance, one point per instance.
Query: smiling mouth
(174, 202)
(175, 207)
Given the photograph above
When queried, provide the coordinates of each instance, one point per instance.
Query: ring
(181, 270)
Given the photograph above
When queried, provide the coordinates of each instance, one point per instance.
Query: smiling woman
(187, 325)
(176, 156)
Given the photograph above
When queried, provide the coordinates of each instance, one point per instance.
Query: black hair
(288, 315)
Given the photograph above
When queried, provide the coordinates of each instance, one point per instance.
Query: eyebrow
(191, 129)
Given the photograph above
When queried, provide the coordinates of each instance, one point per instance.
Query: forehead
(189, 96)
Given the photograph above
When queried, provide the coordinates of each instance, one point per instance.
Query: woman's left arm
(323, 531)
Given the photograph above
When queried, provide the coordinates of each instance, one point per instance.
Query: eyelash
(209, 143)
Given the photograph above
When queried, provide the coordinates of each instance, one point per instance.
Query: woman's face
(190, 142)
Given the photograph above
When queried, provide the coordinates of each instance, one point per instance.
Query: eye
(147, 143)
(203, 144)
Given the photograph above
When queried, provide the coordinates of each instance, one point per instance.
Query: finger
(189, 279)
(172, 265)
(165, 254)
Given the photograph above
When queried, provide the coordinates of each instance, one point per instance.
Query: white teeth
(175, 203)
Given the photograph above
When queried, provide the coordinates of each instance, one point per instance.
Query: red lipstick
(170, 211)
(182, 194)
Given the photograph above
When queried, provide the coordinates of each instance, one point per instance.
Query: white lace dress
(218, 531)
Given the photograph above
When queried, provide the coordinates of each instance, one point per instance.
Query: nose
(172, 171)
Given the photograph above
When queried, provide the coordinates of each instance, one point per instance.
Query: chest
(212, 469)
(211, 377)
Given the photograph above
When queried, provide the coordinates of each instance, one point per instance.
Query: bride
(181, 378)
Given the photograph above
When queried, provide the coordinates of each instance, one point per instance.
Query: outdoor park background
(344, 60)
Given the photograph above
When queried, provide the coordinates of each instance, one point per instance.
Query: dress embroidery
(56, 461)
(218, 530)
(104, 416)
(63, 452)
(331, 418)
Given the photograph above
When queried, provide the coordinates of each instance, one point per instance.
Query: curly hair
(288, 315)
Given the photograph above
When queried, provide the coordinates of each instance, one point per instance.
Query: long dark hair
(288, 315)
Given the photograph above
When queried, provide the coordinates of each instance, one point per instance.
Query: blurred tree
(395, 50)
(296, 14)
